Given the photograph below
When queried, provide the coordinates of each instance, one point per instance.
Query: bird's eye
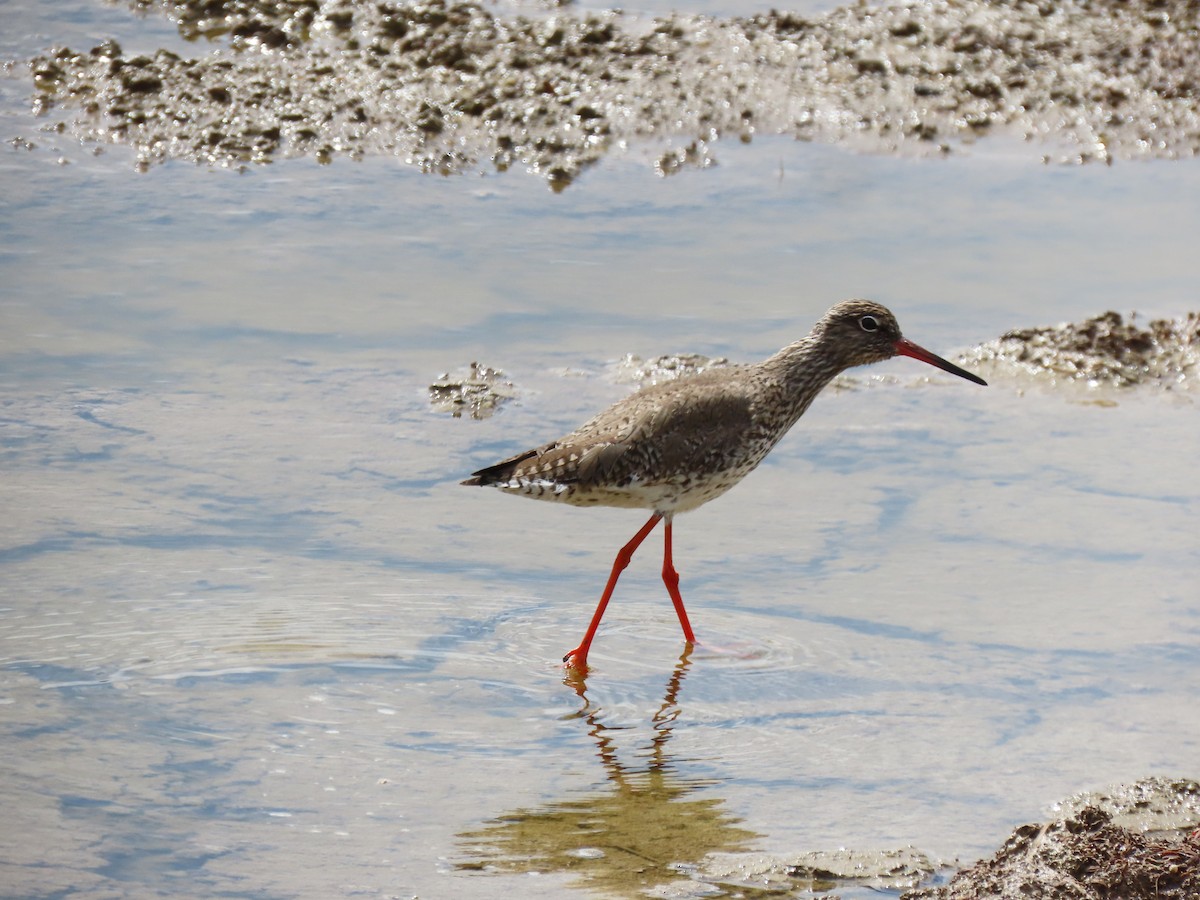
(868, 323)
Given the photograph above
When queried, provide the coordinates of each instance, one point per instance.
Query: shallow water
(256, 641)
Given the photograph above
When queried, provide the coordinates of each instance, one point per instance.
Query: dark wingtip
(497, 472)
(485, 476)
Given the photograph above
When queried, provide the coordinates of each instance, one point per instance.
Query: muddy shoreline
(1136, 842)
(454, 86)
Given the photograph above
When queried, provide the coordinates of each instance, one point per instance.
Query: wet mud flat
(453, 86)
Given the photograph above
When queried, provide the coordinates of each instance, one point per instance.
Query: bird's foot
(577, 660)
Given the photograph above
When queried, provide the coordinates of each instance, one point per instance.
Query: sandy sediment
(452, 86)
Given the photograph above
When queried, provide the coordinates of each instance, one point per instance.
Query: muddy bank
(452, 86)
(1133, 843)
(1108, 350)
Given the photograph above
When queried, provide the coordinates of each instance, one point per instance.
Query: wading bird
(672, 447)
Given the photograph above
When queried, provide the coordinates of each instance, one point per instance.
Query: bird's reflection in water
(634, 834)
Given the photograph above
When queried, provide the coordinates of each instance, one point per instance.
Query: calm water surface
(255, 640)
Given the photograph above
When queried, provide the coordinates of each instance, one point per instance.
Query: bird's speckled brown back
(674, 446)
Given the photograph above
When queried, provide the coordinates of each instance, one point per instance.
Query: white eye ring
(868, 323)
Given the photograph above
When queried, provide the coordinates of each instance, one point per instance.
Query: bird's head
(860, 332)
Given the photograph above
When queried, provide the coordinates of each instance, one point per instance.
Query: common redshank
(674, 446)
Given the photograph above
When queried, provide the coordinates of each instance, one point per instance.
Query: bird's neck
(802, 369)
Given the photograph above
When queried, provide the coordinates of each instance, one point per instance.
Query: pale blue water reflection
(255, 640)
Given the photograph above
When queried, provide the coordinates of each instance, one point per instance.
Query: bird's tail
(498, 472)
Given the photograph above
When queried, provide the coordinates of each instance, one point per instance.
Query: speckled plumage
(674, 446)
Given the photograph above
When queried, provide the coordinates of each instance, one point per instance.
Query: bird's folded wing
(669, 441)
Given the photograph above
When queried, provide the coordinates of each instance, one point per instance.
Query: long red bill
(905, 347)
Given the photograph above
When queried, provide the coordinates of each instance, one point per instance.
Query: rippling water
(255, 640)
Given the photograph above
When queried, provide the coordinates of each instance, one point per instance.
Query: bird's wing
(671, 430)
(678, 431)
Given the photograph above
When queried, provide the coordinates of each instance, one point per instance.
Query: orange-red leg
(671, 580)
(578, 656)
